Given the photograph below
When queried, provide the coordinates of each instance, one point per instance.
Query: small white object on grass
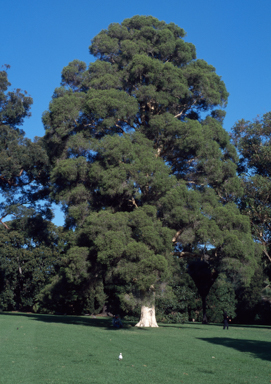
(120, 356)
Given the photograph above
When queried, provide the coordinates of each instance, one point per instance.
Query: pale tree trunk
(147, 318)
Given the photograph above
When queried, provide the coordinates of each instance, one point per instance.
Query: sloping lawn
(65, 349)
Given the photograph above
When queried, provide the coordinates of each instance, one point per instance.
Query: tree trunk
(204, 318)
(147, 318)
(104, 311)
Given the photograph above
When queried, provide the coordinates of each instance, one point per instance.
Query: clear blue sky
(39, 38)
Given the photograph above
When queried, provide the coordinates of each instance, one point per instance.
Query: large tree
(139, 154)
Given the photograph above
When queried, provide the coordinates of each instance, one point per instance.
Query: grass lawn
(65, 349)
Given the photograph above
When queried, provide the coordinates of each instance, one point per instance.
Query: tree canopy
(136, 154)
(141, 163)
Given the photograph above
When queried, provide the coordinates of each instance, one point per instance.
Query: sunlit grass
(55, 349)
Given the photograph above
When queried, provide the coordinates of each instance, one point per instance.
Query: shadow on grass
(178, 326)
(241, 325)
(258, 349)
(101, 322)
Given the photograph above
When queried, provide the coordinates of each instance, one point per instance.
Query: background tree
(30, 252)
(179, 301)
(221, 298)
(253, 141)
(23, 164)
(250, 307)
(146, 79)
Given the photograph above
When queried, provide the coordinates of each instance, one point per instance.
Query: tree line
(166, 214)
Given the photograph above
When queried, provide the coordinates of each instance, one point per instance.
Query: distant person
(226, 320)
(117, 322)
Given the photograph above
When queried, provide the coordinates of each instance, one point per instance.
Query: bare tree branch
(132, 200)
(176, 236)
(4, 224)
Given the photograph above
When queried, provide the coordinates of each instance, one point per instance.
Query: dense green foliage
(179, 300)
(253, 141)
(221, 298)
(142, 165)
(29, 256)
(23, 164)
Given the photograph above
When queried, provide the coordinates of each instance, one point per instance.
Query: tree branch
(4, 224)
(185, 254)
(266, 253)
(186, 108)
(118, 126)
(132, 200)
(176, 236)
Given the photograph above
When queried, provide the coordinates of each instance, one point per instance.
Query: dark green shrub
(221, 298)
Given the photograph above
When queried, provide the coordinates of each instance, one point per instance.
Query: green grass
(64, 349)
